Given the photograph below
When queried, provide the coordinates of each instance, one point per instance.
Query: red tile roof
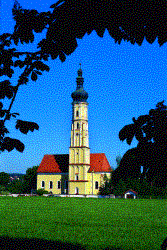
(60, 163)
(54, 164)
(131, 191)
(99, 163)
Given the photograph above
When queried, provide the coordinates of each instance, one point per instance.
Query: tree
(105, 188)
(4, 179)
(118, 160)
(30, 179)
(120, 187)
(125, 20)
(16, 186)
(151, 151)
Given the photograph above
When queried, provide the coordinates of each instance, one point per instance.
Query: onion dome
(79, 95)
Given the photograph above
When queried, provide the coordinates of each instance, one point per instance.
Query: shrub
(41, 191)
(5, 192)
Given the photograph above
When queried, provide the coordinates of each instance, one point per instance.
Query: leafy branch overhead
(9, 144)
(25, 126)
(129, 21)
(6, 90)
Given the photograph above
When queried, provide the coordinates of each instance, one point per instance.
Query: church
(79, 172)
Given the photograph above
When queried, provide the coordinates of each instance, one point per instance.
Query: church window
(51, 184)
(77, 113)
(76, 177)
(58, 184)
(77, 125)
(96, 184)
(77, 134)
(76, 190)
(43, 184)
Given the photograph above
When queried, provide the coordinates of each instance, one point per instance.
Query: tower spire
(79, 151)
(79, 95)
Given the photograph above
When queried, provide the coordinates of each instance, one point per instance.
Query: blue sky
(123, 81)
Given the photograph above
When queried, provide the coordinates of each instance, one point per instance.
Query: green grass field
(82, 223)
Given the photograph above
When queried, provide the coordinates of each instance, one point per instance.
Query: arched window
(76, 177)
(77, 113)
(51, 184)
(77, 125)
(96, 184)
(76, 190)
(43, 184)
(58, 184)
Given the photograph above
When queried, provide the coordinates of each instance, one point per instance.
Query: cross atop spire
(80, 71)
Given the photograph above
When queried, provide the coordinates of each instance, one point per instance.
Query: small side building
(131, 194)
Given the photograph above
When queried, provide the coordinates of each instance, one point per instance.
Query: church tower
(79, 151)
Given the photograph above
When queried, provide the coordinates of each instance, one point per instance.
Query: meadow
(82, 223)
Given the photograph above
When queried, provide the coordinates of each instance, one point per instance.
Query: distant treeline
(16, 174)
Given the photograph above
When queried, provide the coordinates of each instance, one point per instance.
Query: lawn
(82, 223)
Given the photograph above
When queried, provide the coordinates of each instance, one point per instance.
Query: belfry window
(43, 184)
(76, 177)
(77, 113)
(77, 125)
(96, 184)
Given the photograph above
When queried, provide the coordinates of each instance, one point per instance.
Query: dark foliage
(30, 179)
(41, 191)
(125, 21)
(139, 185)
(25, 126)
(164, 244)
(118, 160)
(9, 144)
(16, 186)
(131, 21)
(26, 182)
(151, 152)
(6, 90)
(4, 179)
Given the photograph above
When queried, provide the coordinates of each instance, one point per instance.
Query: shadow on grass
(164, 244)
(112, 248)
(7, 243)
